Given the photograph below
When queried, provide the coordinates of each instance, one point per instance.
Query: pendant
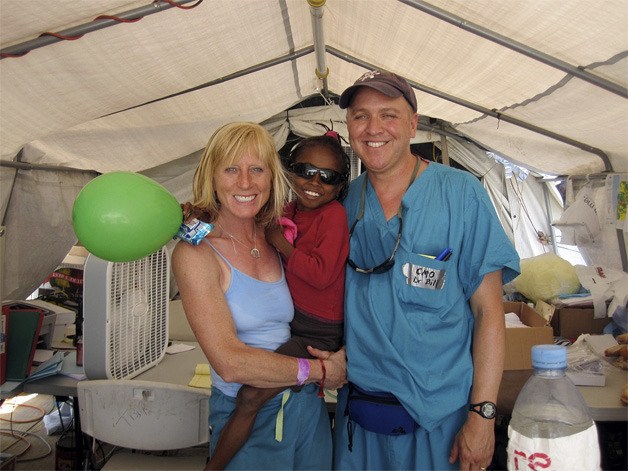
(254, 252)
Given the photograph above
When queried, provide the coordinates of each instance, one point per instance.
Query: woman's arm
(199, 277)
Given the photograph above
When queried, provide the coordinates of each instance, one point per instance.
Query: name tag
(424, 277)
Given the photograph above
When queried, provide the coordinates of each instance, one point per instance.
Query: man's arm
(475, 443)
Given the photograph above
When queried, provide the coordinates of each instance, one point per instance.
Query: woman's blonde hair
(226, 146)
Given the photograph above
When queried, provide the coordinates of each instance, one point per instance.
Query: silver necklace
(253, 251)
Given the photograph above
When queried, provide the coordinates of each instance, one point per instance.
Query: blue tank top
(262, 312)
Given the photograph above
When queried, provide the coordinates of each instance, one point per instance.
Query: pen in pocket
(444, 255)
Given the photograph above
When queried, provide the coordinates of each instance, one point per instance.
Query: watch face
(488, 410)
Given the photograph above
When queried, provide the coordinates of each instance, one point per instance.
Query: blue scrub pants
(374, 451)
(306, 441)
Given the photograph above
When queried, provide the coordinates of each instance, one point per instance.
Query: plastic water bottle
(550, 427)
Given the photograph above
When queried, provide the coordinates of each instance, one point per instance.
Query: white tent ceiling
(541, 83)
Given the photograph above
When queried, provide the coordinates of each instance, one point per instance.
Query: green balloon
(125, 216)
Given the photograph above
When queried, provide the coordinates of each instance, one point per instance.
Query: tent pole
(240, 73)
(493, 113)
(322, 71)
(444, 149)
(53, 168)
(485, 33)
(94, 25)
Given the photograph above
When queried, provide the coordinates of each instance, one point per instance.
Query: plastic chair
(144, 415)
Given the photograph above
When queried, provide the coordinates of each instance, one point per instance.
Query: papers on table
(202, 376)
(178, 348)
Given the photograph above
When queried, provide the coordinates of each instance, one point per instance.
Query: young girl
(315, 271)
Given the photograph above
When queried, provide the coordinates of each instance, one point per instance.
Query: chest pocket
(425, 284)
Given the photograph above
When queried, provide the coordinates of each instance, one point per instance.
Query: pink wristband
(303, 373)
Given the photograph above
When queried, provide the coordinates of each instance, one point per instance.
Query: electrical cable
(22, 437)
(25, 421)
(93, 459)
(519, 195)
(184, 7)
(12, 434)
(23, 49)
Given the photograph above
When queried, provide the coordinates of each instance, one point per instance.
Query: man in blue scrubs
(424, 318)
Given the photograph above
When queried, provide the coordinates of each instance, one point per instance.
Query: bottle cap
(549, 357)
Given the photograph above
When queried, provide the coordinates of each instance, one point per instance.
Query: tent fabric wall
(146, 96)
(521, 204)
(39, 223)
(98, 86)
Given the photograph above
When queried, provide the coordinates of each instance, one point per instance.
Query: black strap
(349, 421)
(363, 196)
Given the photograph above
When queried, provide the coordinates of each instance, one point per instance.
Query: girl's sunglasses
(309, 171)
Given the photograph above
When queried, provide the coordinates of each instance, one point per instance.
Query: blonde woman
(237, 302)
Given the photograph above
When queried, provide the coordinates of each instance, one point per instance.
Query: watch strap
(478, 408)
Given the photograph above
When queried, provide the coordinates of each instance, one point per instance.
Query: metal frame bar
(94, 25)
(494, 113)
(510, 43)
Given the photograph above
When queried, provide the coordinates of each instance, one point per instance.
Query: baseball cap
(389, 84)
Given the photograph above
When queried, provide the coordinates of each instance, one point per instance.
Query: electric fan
(125, 315)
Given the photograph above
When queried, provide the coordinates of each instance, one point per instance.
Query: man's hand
(474, 444)
(336, 375)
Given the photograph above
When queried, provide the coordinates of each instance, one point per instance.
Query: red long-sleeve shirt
(315, 271)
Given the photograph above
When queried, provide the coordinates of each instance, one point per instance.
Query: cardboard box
(571, 322)
(519, 340)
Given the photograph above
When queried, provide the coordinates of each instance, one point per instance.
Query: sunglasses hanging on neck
(387, 264)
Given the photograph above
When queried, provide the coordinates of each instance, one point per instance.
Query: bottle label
(577, 451)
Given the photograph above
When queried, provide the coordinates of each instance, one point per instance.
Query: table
(173, 369)
(603, 401)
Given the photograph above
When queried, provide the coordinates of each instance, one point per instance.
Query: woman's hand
(335, 366)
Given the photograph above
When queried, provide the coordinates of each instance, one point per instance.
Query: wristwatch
(486, 409)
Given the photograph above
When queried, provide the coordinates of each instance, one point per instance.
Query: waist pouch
(378, 412)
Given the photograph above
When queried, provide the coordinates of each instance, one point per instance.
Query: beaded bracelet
(303, 373)
(321, 385)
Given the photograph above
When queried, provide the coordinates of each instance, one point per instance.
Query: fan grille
(137, 324)
(125, 315)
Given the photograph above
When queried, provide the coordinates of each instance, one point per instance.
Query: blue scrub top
(409, 330)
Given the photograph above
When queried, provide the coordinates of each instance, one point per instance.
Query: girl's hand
(190, 212)
(273, 234)
(335, 365)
